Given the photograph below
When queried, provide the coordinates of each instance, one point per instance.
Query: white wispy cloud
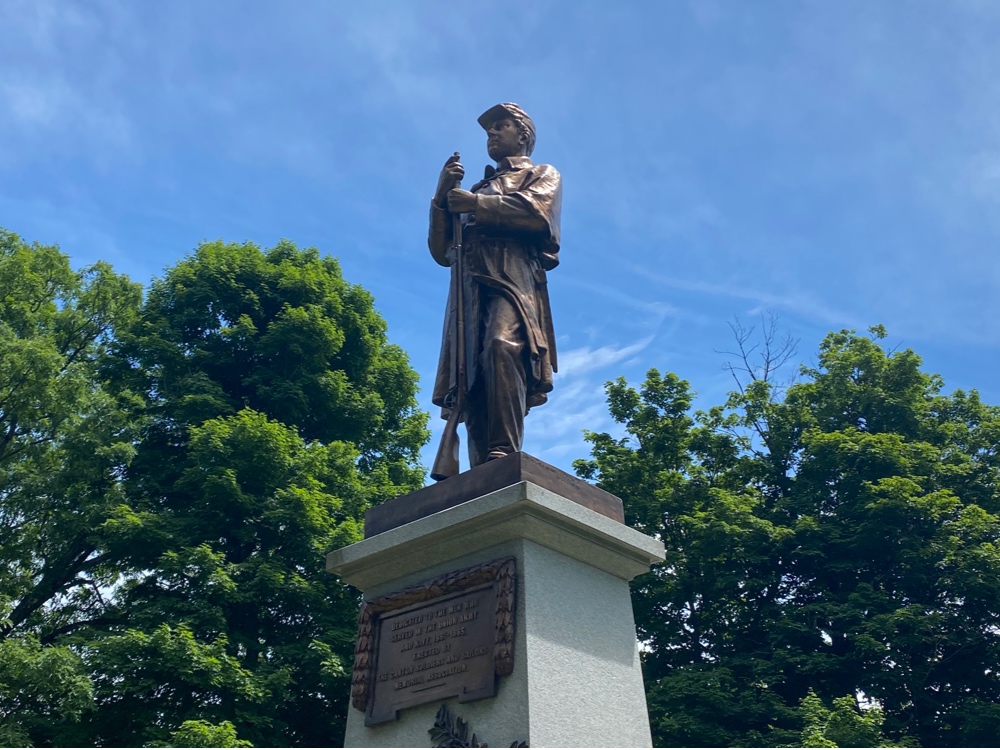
(576, 362)
(60, 69)
(554, 432)
(656, 310)
(801, 303)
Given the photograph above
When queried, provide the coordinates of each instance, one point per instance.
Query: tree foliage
(838, 536)
(174, 471)
(843, 725)
(279, 413)
(65, 437)
(200, 733)
(42, 690)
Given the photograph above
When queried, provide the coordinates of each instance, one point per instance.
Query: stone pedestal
(576, 679)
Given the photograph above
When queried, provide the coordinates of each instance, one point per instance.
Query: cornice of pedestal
(520, 511)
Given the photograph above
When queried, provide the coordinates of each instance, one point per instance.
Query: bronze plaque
(442, 649)
(448, 638)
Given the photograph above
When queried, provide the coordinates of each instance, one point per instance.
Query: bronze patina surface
(492, 476)
(452, 637)
(500, 238)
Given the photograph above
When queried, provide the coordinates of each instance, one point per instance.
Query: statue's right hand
(451, 174)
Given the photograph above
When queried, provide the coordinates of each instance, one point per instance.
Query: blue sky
(835, 162)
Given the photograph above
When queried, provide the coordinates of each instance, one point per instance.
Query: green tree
(838, 536)
(168, 667)
(277, 413)
(66, 435)
(198, 733)
(41, 689)
(171, 475)
(844, 725)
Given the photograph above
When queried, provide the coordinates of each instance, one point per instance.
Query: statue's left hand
(461, 201)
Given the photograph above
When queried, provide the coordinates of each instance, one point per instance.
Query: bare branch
(760, 359)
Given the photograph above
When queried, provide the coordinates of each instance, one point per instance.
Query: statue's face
(503, 139)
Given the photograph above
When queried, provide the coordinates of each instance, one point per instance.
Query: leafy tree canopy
(200, 733)
(279, 412)
(835, 537)
(40, 689)
(64, 434)
(65, 437)
(174, 471)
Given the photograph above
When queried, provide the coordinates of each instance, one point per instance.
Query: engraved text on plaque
(449, 638)
(442, 649)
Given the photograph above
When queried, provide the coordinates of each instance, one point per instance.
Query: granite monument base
(438, 581)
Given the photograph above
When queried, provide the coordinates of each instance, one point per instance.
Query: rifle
(446, 462)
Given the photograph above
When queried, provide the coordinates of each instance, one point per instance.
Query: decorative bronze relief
(448, 638)
(453, 731)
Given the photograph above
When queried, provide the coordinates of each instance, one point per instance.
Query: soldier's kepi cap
(513, 112)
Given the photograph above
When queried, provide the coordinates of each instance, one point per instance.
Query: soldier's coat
(509, 244)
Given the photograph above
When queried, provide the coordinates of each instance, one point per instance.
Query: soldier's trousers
(497, 401)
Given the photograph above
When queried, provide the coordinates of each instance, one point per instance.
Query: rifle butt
(446, 461)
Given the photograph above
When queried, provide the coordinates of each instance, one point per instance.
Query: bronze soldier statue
(501, 237)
